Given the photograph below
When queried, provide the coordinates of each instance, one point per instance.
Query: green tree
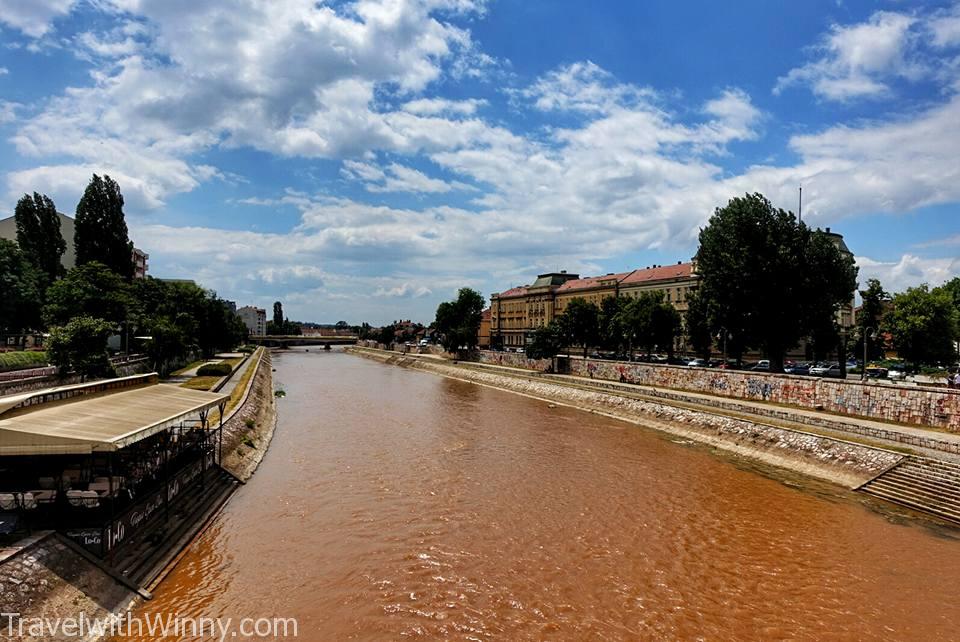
(651, 322)
(277, 314)
(698, 325)
(767, 279)
(613, 332)
(168, 345)
(100, 230)
(547, 341)
(90, 290)
(923, 323)
(581, 323)
(386, 335)
(458, 321)
(81, 346)
(875, 301)
(19, 290)
(39, 236)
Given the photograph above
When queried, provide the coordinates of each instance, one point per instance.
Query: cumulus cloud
(908, 271)
(33, 17)
(856, 60)
(399, 178)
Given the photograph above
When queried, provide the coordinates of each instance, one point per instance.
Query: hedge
(214, 370)
(22, 360)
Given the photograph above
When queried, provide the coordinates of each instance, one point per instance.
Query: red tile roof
(485, 315)
(518, 291)
(659, 273)
(591, 282)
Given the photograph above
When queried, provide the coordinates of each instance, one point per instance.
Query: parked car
(761, 366)
(798, 369)
(897, 374)
(826, 370)
(876, 372)
(698, 363)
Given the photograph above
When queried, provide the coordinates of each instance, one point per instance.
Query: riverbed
(395, 503)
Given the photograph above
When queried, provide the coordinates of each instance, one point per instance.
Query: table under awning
(98, 422)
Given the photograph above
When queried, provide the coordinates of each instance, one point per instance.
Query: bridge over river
(288, 340)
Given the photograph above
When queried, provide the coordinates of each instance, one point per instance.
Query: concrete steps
(928, 485)
(143, 557)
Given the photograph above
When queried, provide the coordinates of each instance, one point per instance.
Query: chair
(75, 498)
(28, 501)
(90, 498)
(8, 501)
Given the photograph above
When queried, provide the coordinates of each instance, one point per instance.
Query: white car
(698, 363)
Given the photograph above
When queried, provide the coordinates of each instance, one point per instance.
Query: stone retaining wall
(247, 434)
(939, 408)
(839, 461)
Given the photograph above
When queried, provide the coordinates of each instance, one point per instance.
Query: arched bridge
(287, 340)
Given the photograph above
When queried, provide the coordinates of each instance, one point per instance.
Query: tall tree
(458, 321)
(581, 323)
(923, 323)
(698, 325)
(875, 301)
(19, 290)
(278, 314)
(92, 290)
(100, 232)
(39, 236)
(547, 341)
(769, 280)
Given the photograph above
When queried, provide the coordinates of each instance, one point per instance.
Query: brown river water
(396, 504)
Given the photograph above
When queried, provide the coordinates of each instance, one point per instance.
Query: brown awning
(101, 422)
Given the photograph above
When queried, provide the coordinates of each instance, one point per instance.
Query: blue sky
(363, 160)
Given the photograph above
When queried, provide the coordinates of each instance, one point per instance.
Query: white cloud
(403, 291)
(399, 178)
(944, 25)
(855, 61)
(909, 271)
(33, 17)
(583, 87)
(4, 71)
(8, 111)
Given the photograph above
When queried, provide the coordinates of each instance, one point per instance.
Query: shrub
(214, 370)
(21, 360)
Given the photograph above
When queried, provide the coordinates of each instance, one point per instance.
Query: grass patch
(200, 383)
(238, 391)
(22, 360)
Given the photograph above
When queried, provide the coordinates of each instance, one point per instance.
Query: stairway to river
(928, 485)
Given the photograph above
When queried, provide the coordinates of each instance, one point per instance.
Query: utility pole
(800, 206)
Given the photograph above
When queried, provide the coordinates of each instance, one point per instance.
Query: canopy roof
(102, 416)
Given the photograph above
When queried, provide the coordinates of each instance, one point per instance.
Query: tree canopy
(100, 230)
(39, 235)
(875, 302)
(581, 323)
(767, 279)
(81, 345)
(458, 321)
(924, 324)
(93, 290)
(20, 288)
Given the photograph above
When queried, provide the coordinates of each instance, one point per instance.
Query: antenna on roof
(800, 207)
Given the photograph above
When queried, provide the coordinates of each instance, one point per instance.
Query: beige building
(516, 313)
(255, 319)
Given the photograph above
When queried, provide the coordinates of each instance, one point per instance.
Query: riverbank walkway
(929, 442)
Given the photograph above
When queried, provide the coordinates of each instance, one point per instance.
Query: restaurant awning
(104, 421)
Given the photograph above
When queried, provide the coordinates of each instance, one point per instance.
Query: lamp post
(725, 335)
(867, 335)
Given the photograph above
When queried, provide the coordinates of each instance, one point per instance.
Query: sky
(361, 161)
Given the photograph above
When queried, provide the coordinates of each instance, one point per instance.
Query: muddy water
(394, 503)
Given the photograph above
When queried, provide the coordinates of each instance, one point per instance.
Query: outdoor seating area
(86, 457)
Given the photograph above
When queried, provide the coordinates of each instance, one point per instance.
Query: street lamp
(868, 333)
(726, 335)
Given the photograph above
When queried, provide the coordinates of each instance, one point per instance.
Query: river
(398, 504)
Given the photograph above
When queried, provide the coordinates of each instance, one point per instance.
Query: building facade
(516, 313)
(255, 319)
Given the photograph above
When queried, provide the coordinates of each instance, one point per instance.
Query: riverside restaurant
(110, 464)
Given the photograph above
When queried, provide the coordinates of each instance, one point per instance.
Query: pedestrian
(956, 379)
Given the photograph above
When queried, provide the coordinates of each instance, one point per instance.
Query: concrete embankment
(842, 462)
(248, 430)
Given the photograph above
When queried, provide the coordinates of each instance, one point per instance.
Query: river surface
(397, 504)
